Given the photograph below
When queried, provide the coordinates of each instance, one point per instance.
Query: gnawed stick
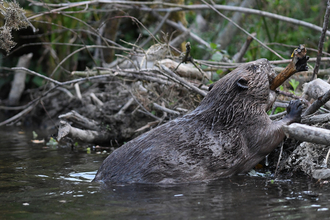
(297, 64)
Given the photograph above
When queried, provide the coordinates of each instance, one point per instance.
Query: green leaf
(35, 135)
(213, 46)
(217, 57)
(294, 83)
(52, 142)
(38, 81)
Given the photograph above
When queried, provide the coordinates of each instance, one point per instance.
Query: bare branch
(182, 81)
(320, 46)
(178, 7)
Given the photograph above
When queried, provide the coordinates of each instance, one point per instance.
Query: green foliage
(52, 142)
(75, 26)
(294, 83)
(34, 134)
(277, 110)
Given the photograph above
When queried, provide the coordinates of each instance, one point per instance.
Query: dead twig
(161, 108)
(156, 30)
(181, 81)
(279, 159)
(182, 28)
(187, 58)
(174, 8)
(126, 106)
(17, 116)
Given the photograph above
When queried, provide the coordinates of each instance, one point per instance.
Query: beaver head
(241, 94)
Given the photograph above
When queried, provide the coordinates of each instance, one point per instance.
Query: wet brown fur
(227, 134)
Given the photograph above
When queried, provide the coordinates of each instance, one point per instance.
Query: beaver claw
(301, 65)
(294, 111)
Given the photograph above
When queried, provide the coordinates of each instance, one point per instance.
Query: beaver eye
(242, 83)
(211, 86)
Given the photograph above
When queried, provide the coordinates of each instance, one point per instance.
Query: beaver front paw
(294, 111)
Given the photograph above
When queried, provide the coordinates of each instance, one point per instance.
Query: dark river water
(50, 182)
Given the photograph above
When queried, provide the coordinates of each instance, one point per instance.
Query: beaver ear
(211, 86)
(242, 83)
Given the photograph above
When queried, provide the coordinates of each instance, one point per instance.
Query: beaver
(228, 133)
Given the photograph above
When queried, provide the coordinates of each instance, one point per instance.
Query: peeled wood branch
(89, 136)
(18, 83)
(307, 133)
(315, 119)
(184, 70)
(161, 108)
(80, 120)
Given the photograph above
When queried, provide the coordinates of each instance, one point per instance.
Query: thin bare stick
(164, 109)
(17, 116)
(77, 88)
(182, 28)
(327, 158)
(156, 30)
(37, 74)
(321, 42)
(182, 81)
(279, 159)
(126, 106)
(176, 8)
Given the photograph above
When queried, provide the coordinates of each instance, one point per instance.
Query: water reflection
(39, 182)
